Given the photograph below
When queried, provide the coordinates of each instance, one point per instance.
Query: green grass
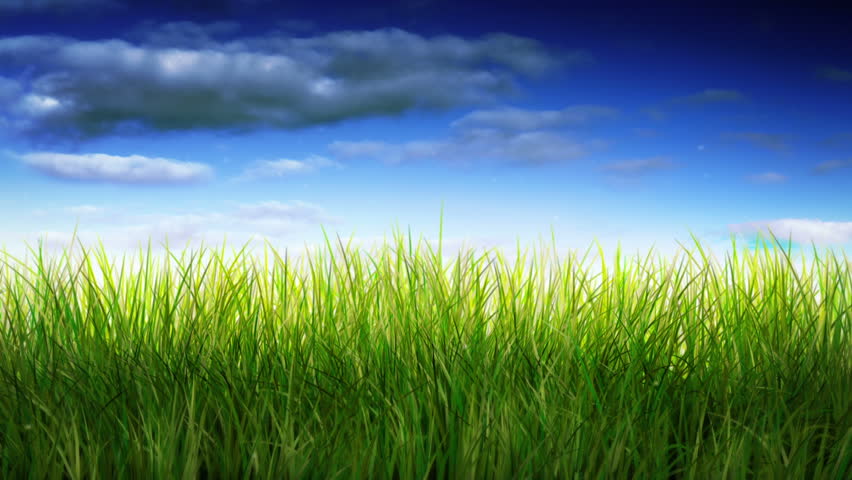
(393, 365)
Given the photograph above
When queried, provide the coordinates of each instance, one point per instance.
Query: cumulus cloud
(831, 165)
(798, 230)
(835, 74)
(186, 79)
(768, 177)
(508, 118)
(285, 167)
(520, 148)
(777, 143)
(99, 167)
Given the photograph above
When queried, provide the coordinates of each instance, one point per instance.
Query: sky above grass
(630, 125)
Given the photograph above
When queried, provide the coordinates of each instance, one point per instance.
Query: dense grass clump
(394, 365)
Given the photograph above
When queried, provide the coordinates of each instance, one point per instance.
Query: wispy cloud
(184, 78)
(798, 230)
(831, 165)
(835, 74)
(638, 167)
(773, 142)
(262, 220)
(272, 213)
(481, 145)
(705, 97)
(85, 210)
(508, 118)
(645, 132)
(710, 95)
(838, 139)
(471, 141)
(99, 167)
(286, 167)
(42, 5)
(655, 113)
(768, 177)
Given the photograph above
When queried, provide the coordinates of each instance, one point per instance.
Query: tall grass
(394, 365)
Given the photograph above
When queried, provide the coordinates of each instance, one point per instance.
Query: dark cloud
(92, 88)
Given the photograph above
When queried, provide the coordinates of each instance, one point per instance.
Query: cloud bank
(183, 78)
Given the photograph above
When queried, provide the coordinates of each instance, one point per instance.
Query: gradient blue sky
(245, 118)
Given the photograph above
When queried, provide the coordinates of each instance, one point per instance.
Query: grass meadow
(398, 364)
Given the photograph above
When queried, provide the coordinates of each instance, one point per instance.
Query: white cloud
(285, 167)
(802, 230)
(117, 169)
(36, 105)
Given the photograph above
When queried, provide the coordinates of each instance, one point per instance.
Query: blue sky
(251, 120)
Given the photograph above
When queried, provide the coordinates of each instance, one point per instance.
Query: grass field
(397, 365)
